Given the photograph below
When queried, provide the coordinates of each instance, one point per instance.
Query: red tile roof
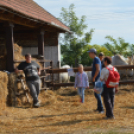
(31, 9)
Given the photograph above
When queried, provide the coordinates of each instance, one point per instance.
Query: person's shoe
(109, 118)
(101, 112)
(36, 105)
(81, 100)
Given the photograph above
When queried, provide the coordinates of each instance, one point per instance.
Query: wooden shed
(29, 25)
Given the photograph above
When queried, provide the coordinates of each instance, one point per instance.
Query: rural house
(26, 23)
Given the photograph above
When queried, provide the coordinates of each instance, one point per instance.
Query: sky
(107, 17)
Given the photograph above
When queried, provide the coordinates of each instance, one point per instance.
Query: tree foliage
(118, 46)
(73, 45)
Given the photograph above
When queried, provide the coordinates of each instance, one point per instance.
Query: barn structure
(26, 23)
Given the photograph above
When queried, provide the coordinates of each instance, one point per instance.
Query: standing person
(101, 57)
(32, 72)
(81, 82)
(96, 70)
(110, 76)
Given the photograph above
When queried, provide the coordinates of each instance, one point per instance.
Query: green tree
(73, 45)
(118, 46)
(85, 56)
(130, 51)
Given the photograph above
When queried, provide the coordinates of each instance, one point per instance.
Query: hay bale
(3, 89)
(12, 88)
(17, 56)
(16, 96)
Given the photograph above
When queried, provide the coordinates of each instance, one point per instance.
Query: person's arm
(87, 81)
(39, 71)
(75, 84)
(38, 68)
(97, 71)
(116, 90)
(19, 69)
(103, 74)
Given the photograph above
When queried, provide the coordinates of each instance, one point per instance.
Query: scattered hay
(65, 114)
(47, 97)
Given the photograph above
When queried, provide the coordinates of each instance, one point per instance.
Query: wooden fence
(54, 71)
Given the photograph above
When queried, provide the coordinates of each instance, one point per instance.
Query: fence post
(58, 63)
(51, 64)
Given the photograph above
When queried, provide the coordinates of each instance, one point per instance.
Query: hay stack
(16, 95)
(3, 89)
(17, 56)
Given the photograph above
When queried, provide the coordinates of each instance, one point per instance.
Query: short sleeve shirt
(30, 70)
(96, 61)
(105, 73)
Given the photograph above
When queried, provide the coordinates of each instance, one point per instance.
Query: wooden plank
(119, 67)
(41, 61)
(90, 83)
(10, 47)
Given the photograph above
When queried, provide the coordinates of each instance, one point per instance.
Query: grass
(60, 113)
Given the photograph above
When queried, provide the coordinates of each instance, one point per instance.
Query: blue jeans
(99, 101)
(81, 92)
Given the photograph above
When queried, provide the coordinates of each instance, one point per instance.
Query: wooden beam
(41, 43)
(72, 83)
(119, 67)
(10, 47)
(17, 20)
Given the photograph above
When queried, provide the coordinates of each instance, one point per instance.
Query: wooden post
(10, 47)
(52, 78)
(41, 52)
(41, 43)
(58, 63)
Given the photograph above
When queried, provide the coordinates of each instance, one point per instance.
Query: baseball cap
(92, 50)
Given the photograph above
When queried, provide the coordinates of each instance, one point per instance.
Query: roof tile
(33, 10)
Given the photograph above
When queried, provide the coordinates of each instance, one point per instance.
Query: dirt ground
(61, 112)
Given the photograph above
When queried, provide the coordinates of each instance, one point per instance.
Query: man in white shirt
(108, 93)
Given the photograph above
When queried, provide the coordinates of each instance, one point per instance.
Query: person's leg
(33, 92)
(107, 102)
(38, 85)
(79, 92)
(99, 102)
(112, 95)
(83, 94)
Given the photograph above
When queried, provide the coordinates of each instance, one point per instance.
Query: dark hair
(101, 54)
(27, 55)
(108, 60)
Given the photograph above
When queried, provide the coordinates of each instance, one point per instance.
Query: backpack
(113, 78)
